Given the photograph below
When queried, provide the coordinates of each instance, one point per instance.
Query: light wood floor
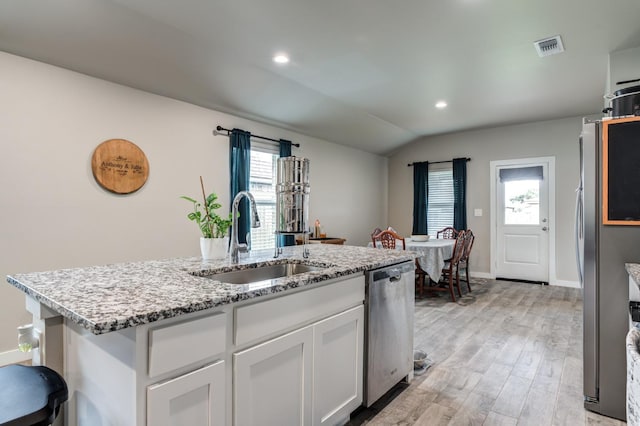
(505, 354)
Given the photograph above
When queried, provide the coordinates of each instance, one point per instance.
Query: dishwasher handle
(392, 272)
(395, 275)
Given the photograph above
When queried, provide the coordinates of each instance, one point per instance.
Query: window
(440, 199)
(262, 184)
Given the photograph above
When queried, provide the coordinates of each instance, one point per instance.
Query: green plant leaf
(188, 199)
(211, 225)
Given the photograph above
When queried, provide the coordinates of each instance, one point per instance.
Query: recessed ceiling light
(281, 58)
(441, 104)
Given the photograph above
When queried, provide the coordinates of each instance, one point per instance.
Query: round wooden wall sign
(120, 166)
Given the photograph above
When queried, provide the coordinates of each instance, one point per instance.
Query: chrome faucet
(255, 223)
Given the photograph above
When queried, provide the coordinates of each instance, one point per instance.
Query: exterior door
(522, 221)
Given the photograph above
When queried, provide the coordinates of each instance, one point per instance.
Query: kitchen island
(156, 342)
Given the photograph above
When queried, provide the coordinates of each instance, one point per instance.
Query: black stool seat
(30, 395)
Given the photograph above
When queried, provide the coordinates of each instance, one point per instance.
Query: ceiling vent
(549, 46)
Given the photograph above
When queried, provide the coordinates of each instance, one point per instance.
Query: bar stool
(30, 395)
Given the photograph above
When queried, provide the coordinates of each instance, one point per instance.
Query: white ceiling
(364, 73)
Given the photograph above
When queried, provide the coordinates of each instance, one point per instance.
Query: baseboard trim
(481, 275)
(566, 283)
(558, 283)
(518, 280)
(13, 357)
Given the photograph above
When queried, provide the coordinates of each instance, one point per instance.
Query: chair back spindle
(468, 244)
(447, 233)
(458, 248)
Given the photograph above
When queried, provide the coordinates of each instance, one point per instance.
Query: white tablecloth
(433, 253)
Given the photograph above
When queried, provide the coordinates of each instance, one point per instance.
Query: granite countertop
(112, 297)
(634, 271)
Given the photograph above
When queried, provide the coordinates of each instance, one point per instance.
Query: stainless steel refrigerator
(602, 251)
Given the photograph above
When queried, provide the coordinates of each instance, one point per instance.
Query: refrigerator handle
(578, 234)
(579, 225)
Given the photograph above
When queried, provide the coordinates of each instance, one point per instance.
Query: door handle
(544, 228)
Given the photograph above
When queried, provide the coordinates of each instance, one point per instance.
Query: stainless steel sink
(263, 273)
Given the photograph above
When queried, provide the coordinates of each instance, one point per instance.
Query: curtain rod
(437, 162)
(222, 129)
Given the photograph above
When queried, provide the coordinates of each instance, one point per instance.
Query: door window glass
(522, 202)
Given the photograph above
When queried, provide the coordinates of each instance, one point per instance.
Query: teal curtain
(460, 193)
(239, 164)
(420, 197)
(285, 148)
(285, 151)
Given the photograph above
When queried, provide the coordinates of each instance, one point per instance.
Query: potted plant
(214, 241)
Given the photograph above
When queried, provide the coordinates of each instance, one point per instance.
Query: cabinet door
(337, 368)
(195, 399)
(272, 381)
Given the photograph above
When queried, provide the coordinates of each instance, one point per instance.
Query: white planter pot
(214, 248)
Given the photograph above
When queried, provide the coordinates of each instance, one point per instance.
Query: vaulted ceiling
(364, 73)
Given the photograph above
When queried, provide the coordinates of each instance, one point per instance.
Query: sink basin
(263, 273)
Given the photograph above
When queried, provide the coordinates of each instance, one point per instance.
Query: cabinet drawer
(282, 313)
(178, 345)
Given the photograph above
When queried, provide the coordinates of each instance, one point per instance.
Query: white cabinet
(168, 372)
(337, 367)
(272, 381)
(310, 376)
(293, 358)
(195, 399)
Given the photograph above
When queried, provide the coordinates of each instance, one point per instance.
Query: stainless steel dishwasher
(389, 310)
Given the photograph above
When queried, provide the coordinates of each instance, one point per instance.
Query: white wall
(54, 214)
(557, 138)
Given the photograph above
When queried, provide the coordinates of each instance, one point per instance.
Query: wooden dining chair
(387, 239)
(450, 267)
(448, 233)
(464, 260)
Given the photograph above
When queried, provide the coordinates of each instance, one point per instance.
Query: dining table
(431, 254)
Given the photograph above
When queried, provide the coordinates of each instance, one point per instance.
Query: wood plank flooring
(505, 354)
